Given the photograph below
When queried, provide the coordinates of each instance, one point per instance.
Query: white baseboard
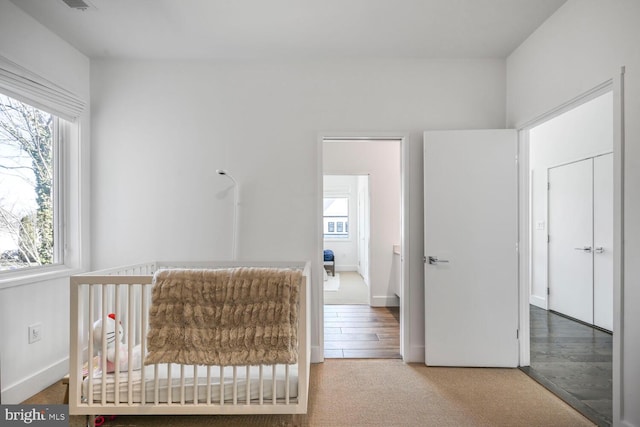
(22, 390)
(538, 301)
(416, 355)
(317, 355)
(385, 301)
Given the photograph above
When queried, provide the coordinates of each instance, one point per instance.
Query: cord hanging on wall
(236, 190)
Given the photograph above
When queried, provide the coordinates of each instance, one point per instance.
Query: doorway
(346, 235)
(571, 347)
(362, 227)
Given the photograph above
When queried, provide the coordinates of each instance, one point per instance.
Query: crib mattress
(172, 384)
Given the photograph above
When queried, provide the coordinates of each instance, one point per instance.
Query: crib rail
(169, 388)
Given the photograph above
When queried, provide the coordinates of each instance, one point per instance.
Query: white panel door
(470, 214)
(603, 241)
(570, 240)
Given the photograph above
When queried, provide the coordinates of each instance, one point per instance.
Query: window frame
(60, 129)
(69, 191)
(337, 223)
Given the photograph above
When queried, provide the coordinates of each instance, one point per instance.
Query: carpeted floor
(352, 392)
(352, 290)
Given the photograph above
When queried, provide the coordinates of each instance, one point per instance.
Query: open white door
(471, 229)
(603, 241)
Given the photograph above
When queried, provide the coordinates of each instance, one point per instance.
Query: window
(336, 218)
(29, 182)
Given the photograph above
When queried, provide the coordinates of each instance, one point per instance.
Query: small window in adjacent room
(336, 218)
(29, 183)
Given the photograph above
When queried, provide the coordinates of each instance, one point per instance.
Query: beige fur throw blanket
(235, 316)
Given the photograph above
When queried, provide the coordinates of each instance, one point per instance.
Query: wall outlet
(35, 333)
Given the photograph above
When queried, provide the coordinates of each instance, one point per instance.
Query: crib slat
(156, 397)
(195, 384)
(208, 385)
(90, 354)
(235, 385)
(130, 343)
(221, 385)
(286, 384)
(273, 385)
(169, 388)
(248, 391)
(116, 374)
(261, 384)
(182, 397)
(103, 345)
(143, 342)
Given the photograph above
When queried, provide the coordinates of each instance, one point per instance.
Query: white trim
(29, 386)
(618, 245)
(538, 302)
(384, 301)
(617, 86)
(601, 89)
(408, 354)
(317, 291)
(36, 275)
(343, 267)
(524, 248)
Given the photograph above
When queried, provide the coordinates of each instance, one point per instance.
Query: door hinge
(548, 291)
(424, 259)
(548, 238)
(548, 186)
(517, 333)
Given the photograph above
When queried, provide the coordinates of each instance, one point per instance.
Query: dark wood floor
(360, 331)
(574, 361)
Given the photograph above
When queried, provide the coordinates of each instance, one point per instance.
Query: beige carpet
(351, 392)
(352, 290)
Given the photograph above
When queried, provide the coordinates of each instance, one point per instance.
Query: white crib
(172, 388)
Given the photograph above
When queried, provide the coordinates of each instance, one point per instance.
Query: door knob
(433, 260)
(599, 250)
(584, 248)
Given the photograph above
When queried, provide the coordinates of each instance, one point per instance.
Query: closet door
(603, 241)
(570, 208)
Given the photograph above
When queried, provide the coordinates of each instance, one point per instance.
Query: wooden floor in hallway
(574, 361)
(360, 331)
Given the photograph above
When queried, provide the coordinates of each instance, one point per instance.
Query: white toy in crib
(123, 349)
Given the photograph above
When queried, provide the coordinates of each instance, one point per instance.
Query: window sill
(41, 274)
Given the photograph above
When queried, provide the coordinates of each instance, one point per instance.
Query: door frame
(317, 353)
(615, 85)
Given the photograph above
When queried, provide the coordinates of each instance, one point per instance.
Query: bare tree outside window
(26, 183)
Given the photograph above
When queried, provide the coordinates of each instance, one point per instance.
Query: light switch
(539, 225)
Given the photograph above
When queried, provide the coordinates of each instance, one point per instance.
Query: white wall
(585, 131)
(28, 368)
(160, 129)
(581, 46)
(345, 251)
(381, 161)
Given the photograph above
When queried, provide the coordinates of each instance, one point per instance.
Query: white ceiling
(294, 29)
